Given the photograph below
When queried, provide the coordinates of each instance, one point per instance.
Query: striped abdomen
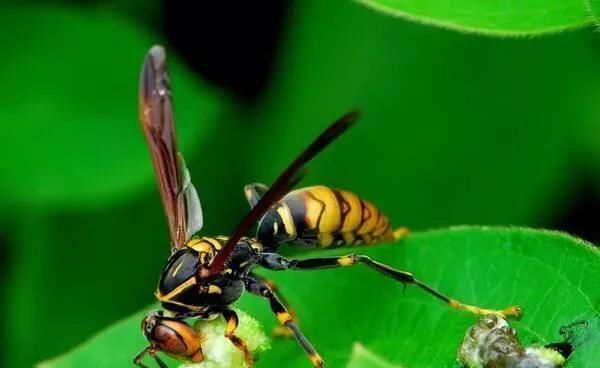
(322, 217)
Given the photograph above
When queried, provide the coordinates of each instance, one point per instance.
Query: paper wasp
(205, 275)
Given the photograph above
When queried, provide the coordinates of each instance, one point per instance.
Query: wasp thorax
(220, 289)
(181, 266)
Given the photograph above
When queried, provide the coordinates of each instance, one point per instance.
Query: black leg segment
(148, 351)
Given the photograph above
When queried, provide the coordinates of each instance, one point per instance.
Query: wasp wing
(193, 208)
(179, 198)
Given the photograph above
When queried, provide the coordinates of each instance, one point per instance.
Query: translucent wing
(193, 208)
(179, 198)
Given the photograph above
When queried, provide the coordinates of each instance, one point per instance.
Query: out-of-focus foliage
(456, 129)
(361, 357)
(72, 81)
(414, 329)
(589, 95)
(494, 17)
(71, 139)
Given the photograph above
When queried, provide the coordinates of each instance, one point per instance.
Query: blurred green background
(457, 129)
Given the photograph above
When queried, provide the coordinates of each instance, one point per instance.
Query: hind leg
(275, 261)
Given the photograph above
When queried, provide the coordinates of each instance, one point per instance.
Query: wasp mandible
(204, 276)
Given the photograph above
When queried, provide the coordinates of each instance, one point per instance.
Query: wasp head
(172, 336)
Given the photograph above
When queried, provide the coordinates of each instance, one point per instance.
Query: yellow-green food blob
(219, 352)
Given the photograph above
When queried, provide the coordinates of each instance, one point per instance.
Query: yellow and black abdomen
(323, 217)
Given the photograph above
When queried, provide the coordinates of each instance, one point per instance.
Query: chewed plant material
(492, 343)
(219, 352)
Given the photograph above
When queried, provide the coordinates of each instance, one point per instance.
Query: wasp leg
(254, 192)
(231, 318)
(148, 351)
(401, 233)
(276, 262)
(137, 360)
(279, 331)
(258, 287)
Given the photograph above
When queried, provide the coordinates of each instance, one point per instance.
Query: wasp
(204, 275)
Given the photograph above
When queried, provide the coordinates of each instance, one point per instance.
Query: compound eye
(148, 328)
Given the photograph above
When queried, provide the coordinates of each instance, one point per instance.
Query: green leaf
(362, 357)
(491, 267)
(71, 114)
(455, 129)
(495, 17)
(593, 7)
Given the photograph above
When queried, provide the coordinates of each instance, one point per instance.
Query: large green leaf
(70, 112)
(362, 357)
(554, 277)
(456, 128)
(495, 17)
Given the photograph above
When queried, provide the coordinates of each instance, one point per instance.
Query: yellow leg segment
(513, 310)
(232, 323)
(401, 232)
(282, 331)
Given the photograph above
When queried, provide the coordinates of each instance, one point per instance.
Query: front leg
(150, 350)
(232, 320)
(258, 287)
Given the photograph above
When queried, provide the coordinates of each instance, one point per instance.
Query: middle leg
(258, 287)
(279, 331)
